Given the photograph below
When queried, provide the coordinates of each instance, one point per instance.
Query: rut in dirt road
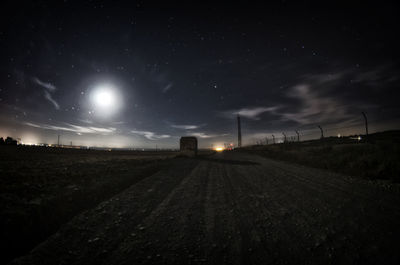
(233, 208)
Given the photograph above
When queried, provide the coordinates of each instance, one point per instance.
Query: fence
(316, 131)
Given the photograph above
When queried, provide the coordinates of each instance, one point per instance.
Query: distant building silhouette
(188, 145)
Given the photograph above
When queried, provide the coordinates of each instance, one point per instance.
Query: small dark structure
(188, 145)
(9, 141)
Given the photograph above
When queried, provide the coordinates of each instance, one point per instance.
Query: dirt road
(234, 208)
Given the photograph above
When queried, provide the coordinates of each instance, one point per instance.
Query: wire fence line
(312, 131)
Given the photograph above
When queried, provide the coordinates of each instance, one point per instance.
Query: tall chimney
(239, 132)
(366, 123)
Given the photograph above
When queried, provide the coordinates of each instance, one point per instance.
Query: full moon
(105, 100)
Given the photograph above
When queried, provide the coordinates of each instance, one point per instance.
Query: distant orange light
(219, 149)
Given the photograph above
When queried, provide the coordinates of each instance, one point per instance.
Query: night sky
(140, 75)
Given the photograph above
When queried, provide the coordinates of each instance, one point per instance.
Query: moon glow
(105, 100)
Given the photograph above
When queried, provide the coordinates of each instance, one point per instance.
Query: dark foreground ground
(233, 208)
(43, 188)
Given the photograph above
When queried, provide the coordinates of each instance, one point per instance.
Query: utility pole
(273, 138)
(322, 132)
(366, 123)
(239, 132)
(284, 135)
(58, 140)
(298, 136)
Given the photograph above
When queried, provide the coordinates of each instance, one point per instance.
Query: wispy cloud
(314, 107)
(377, 77)
(250, 113)
(48, 86)
(73, 128)
(48, 89)
(205, 135)
(167, 87)
(86, 121)
(318, 101)
(151, 135)
(48, 96)
(317, 98)
(118, 122)
(186, 127)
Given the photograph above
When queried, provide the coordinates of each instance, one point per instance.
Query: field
(42, 188)
(237, 207)
(375, 157)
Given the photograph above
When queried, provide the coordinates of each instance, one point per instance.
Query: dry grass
(377, 157)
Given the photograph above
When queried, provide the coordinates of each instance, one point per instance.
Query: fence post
(298, 136)
(322, 132)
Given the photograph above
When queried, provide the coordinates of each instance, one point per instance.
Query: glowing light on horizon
(219, 149)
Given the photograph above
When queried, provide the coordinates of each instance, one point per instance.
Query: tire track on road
(171, 233)
(92, 237)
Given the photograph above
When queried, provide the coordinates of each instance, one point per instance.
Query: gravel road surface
(234, 208)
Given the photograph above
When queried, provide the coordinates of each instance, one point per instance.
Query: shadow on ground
(219, 158)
